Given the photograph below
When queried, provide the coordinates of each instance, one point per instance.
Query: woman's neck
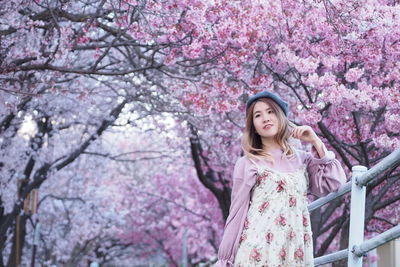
(270, 144)
(272, 148)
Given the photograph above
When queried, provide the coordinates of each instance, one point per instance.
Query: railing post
(357, 214)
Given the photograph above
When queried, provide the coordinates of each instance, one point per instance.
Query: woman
(268, 222)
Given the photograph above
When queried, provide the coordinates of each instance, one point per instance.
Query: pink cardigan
(325, 175)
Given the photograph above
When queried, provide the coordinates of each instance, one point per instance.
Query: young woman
(268, 222)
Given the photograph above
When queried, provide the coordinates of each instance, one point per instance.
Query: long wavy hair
(251, 141)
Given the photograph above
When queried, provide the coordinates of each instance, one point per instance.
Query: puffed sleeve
(243, 180)
(325, 174)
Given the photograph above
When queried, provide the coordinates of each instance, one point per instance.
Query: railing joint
(358, 183)
(361, 179)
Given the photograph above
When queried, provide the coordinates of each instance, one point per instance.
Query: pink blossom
(82, 40)
(261, 179)
(255, 254)
(246, 223)
(306, 65)
(281, 220)
(282, 253)
(292, 201)
(299, 254)
(97, 53)
(280, 186)
(307, 238)
(392, 122)
(305, 220)
(194, 50)
(385, 141)
(269, 236)
(312, 80)
(242, 238)
(330, 62)
(354, 74)
(263, 206)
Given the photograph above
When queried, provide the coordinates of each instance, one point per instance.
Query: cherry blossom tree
(336, 62)
(43, 79)
(317, 55)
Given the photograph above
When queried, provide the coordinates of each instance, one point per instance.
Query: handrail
(393, 159)
(377, 241)
(390, 161)
(335, 256)
(361, 177)
(331, 196)
(360, 251)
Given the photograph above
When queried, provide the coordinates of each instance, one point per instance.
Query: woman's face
(265, 120)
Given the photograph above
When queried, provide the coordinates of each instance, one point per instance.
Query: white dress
(277, 230)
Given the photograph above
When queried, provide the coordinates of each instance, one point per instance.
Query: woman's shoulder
(243, 160)
(247, 162)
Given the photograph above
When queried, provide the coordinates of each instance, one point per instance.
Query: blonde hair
(251, 141)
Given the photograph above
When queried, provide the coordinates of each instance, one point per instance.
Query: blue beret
(283, 104)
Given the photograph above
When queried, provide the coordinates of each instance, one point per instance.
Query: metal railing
(357, 185)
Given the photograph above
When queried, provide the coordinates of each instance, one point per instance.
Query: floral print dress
(277, 231)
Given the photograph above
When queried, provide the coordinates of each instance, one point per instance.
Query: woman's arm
(325, 174)
(243, 181)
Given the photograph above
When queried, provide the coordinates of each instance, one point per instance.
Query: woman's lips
(266, 127)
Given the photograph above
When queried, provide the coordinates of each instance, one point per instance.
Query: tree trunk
(14, 259)
(344, 242)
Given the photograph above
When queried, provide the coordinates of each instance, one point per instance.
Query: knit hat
(283, 104)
